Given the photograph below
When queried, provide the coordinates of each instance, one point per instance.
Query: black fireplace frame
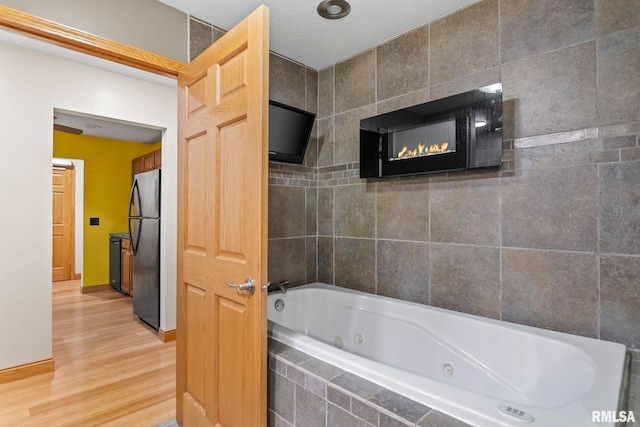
(476, 147)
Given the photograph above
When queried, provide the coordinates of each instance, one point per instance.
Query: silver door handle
(249, 286)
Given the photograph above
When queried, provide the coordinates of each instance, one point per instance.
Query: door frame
(48, 31)
(51, 32)
(78, 229)
(33, 27)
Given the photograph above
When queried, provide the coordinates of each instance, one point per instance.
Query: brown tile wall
(552, 238)
(537, 240)
(293, 190)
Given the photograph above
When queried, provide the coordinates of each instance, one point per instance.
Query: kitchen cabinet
(137, 165)
(126, 266)
(148, 162)
(157, 159)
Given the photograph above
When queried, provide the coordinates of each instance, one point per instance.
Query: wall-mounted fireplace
(463, 131)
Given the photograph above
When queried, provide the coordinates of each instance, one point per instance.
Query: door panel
(231, 324)
(222, 181)
(196, 197)
(62, 224)
(232, 192)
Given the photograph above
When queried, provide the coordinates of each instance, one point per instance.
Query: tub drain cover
(448, 370)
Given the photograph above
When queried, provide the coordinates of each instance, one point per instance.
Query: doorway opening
(111, 152)
(63, 221)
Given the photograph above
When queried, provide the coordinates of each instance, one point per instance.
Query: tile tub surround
(549, 239)
(552, 235)
(307, 392)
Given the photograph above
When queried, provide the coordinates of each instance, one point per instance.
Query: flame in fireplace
(422, 150)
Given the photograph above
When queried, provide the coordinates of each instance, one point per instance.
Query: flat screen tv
(289, 132)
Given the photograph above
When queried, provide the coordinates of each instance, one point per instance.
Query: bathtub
(482, 371)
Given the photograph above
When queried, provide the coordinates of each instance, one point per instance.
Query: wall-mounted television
(289, 132)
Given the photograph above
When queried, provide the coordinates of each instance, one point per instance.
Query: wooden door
(222, 230)
(63, 223)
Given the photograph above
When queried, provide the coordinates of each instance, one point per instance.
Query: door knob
(248, 286)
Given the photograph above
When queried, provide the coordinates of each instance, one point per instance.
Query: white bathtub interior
(458, 363)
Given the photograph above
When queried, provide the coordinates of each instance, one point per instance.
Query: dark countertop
(119, 235)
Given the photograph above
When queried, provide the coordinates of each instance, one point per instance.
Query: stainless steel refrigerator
(144, 232)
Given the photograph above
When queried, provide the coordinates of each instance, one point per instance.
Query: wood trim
(167, 336)
(68, 129)
(77, 276)
(81, 41)
(27, 370)
(72, 230)
(96, 288)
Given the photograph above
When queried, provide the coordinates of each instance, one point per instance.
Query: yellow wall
(107, 180)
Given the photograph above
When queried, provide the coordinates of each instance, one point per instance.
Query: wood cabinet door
(222, 230)
(157, 159)
(125, 271)
(137, 165)
(149, 161)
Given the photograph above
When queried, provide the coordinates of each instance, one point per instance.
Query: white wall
(32, 84)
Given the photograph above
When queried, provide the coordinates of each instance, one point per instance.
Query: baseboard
(167, 336)
(77, 276)
(26, 371)
(96, 288)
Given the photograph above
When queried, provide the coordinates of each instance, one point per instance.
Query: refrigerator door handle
(135, 241)
(131, 236)
(134, 189)
(135, 192)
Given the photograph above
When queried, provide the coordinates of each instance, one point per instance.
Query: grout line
(500, 38)
(317, 236)
(598, 255)
(333, 235)
(429, 59)
(333, 119)
(429, 189)
(306, 232)
(375, 235)
(375, 78)
(501, 284)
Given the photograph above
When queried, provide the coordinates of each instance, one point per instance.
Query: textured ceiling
(299, 33)
(296, 31)
(107, 128)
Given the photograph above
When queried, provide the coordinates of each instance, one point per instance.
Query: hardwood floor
(111, 369)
